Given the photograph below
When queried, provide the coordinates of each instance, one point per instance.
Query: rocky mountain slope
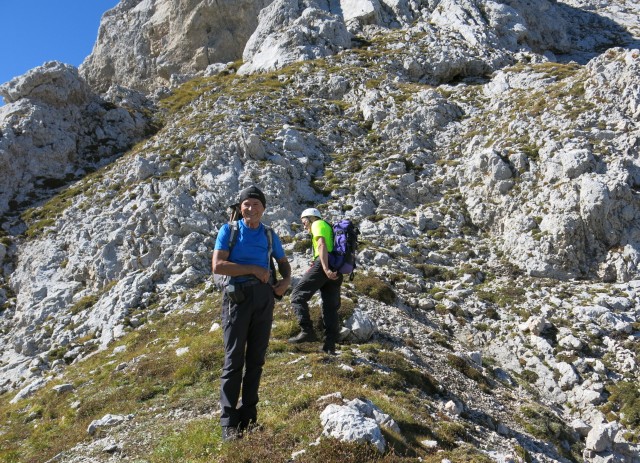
(488, 151)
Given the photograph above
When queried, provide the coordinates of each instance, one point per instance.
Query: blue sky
(35, 31)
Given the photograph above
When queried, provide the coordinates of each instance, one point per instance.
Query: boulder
(54, 84)
(602, 436)
(348, 424)
(290, 31)
(29, 390)
(107, 421)
(361, 327)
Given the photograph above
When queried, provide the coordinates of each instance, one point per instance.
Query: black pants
(315, 279)
(247, 328)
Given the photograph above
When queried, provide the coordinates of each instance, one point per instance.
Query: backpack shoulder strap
(233, 234)
(269, 232)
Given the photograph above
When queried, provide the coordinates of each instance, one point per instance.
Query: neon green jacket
(320, 228)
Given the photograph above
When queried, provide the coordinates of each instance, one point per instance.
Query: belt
(252, 282)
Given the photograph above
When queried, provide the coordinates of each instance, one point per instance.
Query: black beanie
(253, 192)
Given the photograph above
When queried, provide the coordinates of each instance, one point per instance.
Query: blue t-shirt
(252, 245)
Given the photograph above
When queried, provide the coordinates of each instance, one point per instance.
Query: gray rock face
(54, 84)
(589, 220)
(142, 43)
(291, 31)
(54, 125)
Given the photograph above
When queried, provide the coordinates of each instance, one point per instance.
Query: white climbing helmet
(311, 212)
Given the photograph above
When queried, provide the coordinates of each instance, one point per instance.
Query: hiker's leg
(330, 293)
(257, 343)
(235, 323)
(302, 293)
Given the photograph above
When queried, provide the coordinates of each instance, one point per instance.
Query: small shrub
(302, 245)
(375, 288)
(449, 433)
(469, 371)
(545, 425)
(436, 273)
(84, 303)
(524, 455)
(624, 399)
(529, 376)
(507, 295)
(412, 376)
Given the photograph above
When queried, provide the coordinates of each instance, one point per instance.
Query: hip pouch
(235, 293)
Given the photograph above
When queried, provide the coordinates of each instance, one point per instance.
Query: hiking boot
(329, 350)
(230, 433)
(303, 336)
(329, 346)
(250, 427)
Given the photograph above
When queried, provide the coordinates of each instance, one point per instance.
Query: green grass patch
(623, 404)
(373, 287)
(469, 371)
(545, 425)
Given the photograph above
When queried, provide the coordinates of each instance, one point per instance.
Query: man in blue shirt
(247, 312)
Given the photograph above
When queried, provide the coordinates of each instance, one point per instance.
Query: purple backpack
(345, 245)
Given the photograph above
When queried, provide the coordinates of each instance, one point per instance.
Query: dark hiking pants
(247, 327)
(315, 279)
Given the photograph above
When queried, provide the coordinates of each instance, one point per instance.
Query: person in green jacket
(318, 277)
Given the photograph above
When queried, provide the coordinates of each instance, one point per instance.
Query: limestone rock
(290, 31)
(142, 44)
(53, 84)
(107, 421)
(453, 408)
(62, 388)
(602, 436)
(360, 326)
(29, 390)
(348, 424)
(54, 127)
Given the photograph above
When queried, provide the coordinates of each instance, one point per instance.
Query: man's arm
(284, 268)
(222, 266)
(323, 254)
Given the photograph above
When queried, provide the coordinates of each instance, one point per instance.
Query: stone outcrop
(291, 31)
(146, 45)
(357, 421)
(141, 44)
(54, 128)
(582, 213)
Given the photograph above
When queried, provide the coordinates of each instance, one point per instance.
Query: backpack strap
(269, 232)
(233, 234)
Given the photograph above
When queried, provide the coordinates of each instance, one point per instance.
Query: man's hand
(280, 288)
(331, 274)
(261, 273)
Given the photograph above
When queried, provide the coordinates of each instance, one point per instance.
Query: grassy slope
(174, 399)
